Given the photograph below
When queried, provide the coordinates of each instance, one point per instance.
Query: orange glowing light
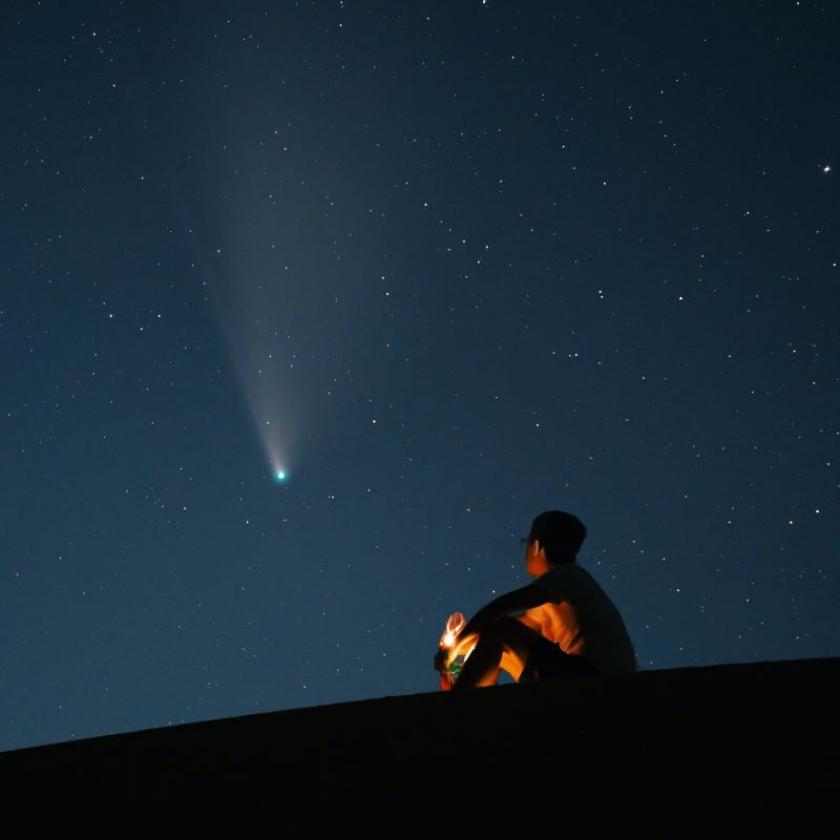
(454, 625)
(457, 649)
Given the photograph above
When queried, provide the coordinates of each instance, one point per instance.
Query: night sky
(447, 265)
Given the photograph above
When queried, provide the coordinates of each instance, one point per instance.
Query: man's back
(582, 620)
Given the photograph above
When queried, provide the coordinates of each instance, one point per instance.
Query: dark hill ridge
(755, 747)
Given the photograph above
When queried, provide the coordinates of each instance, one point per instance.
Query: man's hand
(442, 661)
(477, 623)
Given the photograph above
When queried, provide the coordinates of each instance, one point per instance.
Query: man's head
(555, 537)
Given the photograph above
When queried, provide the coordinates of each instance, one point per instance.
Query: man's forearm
(512, 603)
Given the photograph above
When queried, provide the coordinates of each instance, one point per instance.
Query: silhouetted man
(562, 624)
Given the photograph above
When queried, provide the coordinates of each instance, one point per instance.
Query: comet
(251, 290)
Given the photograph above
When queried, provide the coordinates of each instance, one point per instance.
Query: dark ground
(735, 750)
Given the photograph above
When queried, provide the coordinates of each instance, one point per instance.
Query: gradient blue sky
(457, 263)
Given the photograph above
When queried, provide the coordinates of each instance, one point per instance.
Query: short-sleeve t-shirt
(582, 620)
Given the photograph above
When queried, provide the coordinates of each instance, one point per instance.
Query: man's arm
(513, 603)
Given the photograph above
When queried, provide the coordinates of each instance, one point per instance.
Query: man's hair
(560, 534)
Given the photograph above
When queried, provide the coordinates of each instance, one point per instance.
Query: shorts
(548, 662)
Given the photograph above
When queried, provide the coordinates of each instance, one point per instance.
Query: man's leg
(482, 668)
(548, 662)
